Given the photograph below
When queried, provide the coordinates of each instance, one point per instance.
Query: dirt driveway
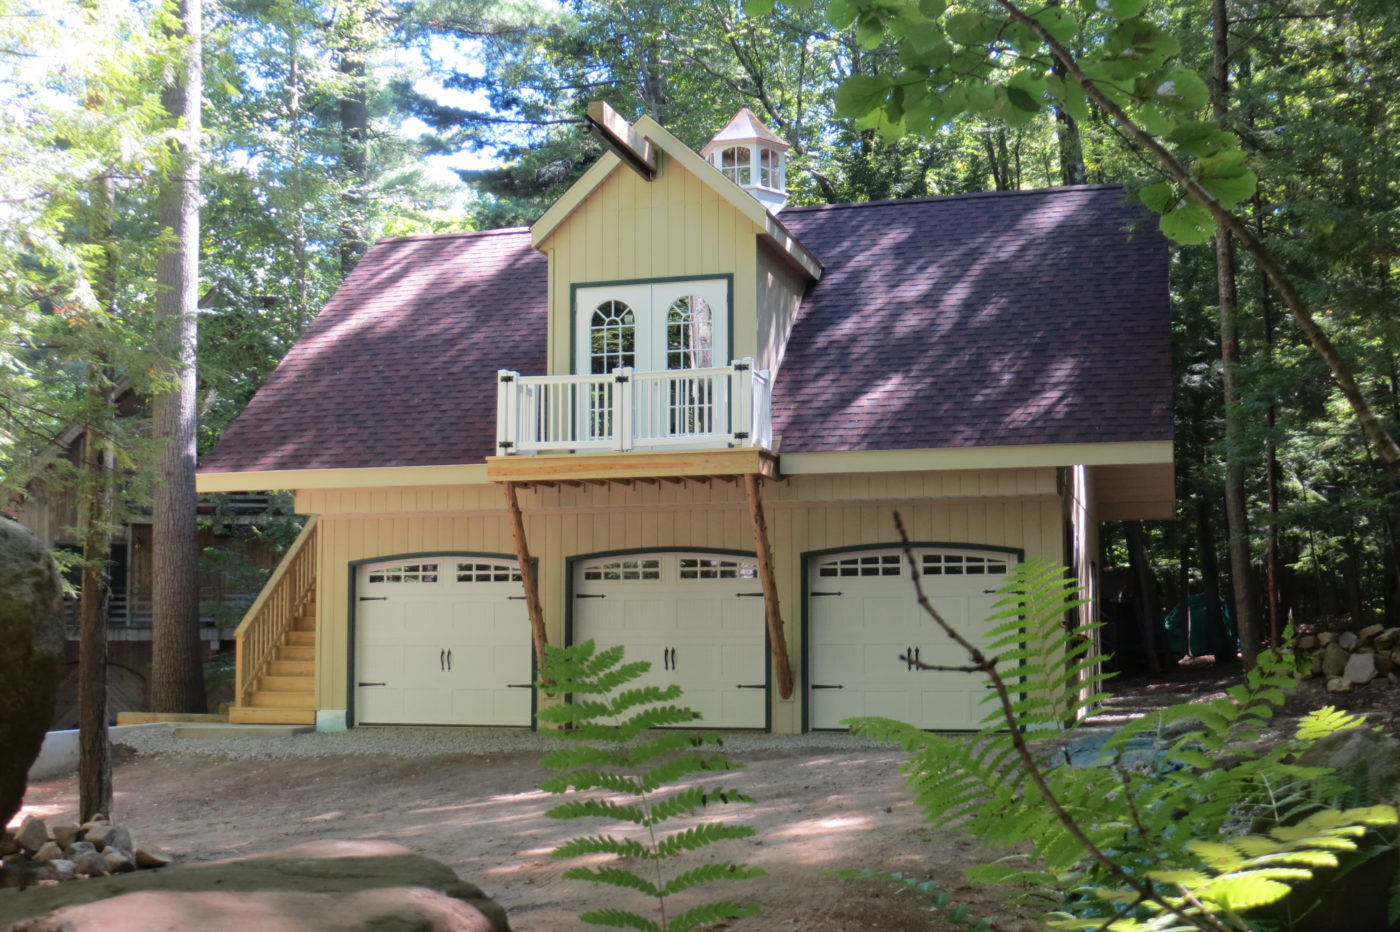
(816, 811)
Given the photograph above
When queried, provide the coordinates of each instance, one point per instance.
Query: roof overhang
(664, 145)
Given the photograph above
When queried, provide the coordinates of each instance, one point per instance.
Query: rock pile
(38, 852)
(1353, 658)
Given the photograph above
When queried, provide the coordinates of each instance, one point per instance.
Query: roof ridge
(965, 196)
(460, 234)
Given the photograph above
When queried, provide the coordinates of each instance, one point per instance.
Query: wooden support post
(766, 576)
(527, 574)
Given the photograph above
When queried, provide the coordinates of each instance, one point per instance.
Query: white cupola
(752, 157)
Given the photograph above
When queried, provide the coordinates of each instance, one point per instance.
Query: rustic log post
(776, 640)
(527, 574)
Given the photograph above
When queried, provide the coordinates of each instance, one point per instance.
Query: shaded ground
(1198, 679)
(815, 812)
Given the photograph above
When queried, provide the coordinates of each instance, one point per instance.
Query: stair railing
(274, 612)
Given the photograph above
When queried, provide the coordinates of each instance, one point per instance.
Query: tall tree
(177, 683)
(1246, 600)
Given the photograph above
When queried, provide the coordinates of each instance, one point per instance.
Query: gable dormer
(659, 260)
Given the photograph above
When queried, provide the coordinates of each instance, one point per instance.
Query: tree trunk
(1210, 580)
(94, 749)
(177, 682)
(354, 158)
(1149, 615)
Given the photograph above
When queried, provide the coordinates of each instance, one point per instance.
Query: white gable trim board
(696, 615)
(860, 616)
(440, 639)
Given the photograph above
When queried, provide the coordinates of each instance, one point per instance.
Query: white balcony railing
(625, 410)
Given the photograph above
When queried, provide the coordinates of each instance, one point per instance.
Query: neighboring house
(685, 423)
(48, 507)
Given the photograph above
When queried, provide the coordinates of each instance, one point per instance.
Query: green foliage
(614, 751)
(981, 60)
(1180, 821)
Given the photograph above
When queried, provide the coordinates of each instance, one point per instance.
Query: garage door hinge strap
(751, 686)
(827, 593)
(589, 595)
(371, 684)
(519, 686)
(374, 598)
(748, 595)
(826, 686)
(514, 598)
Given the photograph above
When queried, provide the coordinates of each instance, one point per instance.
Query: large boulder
(31, 652)
(325, 886)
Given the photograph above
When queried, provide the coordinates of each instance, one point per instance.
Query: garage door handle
(371, 684)
(826, 593)
(748, 595)
(673, 658)
(449, 660)
(589, 595)
(826, 686)
(751, 686)
(442, 660)
(374, 598)
(519, 686)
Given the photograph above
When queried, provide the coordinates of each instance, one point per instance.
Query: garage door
(698, 618)
(862, 617)
(442, 640)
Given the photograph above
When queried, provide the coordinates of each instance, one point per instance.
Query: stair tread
(253, 715)
(280, 683)
(284, 700)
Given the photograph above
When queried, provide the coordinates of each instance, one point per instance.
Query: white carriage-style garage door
(697, 617)
(442, 640)
(862, 617)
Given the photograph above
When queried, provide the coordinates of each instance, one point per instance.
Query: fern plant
(629, 774)
(1161, 846)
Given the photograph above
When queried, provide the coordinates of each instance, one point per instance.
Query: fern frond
(601, 844)
(709, 914)
(694, 798)
(1326, 721)
(711, 872)
(598, 809)
(620, 919)
(582, 780)
(614, 877)
(697, 837)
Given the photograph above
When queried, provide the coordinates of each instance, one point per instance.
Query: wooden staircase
(275, 680)
(285, 694)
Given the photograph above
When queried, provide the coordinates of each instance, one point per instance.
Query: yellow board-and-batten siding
(1008, 508)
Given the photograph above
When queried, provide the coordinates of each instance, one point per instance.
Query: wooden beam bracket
(527, 574)
(782, 664)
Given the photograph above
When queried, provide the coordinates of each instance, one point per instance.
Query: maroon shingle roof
(399, 368)
(984, 319)
(1023, 317)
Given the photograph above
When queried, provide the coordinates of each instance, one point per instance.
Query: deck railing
(623, 410)
(270, 617)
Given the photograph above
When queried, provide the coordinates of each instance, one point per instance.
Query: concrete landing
(217, 731)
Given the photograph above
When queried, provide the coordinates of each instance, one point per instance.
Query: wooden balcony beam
(527, 575)
(663, 465)
(782, 664)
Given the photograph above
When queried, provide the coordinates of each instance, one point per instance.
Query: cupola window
(734, 162)
(748, 154)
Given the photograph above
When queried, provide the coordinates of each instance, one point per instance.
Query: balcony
(678, 411)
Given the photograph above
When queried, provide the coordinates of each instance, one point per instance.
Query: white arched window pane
(690, 326)
(734, 162)
(612, 337)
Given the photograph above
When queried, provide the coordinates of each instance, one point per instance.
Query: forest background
(328, 124)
